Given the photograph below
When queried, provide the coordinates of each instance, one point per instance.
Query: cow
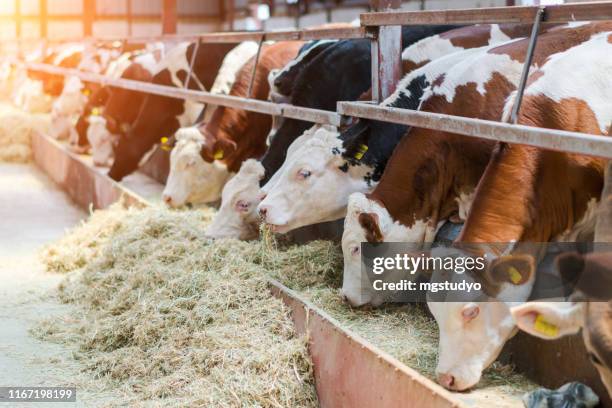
(160, 116)
(230, 137)
(590, 310)
(341, 71)
(336, 167)
(530, 194)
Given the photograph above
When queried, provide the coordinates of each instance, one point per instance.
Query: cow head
(473, 333)
(101, 141)
(313, 184)
(237, 217)
(591, 276)
(192, 179)
(368, 220)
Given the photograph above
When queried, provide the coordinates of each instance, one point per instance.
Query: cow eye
(242, 205)
(355, 250)
(303, 174)
(594, 359)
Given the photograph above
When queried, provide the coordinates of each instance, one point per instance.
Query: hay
(16, 128)
(174, 319)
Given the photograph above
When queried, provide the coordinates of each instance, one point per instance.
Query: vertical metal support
(43, 17)
(129, 16)
(510, 3)
(533, 40)
(191, 64)
(18, 19)
(222, 14)
(231, 8)
(89, 13)
(386, 54)
(169, 17)
(603, 226)
(261, 40)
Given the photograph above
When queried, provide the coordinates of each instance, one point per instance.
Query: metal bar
(254, 71)
(526, 67)
(191, 63)
(560, 13)
(17, 17)
(169, 17)
(43, 16)
(313, 115)
(129, 17)
(386, 54)
(89, 12)
(573, 142)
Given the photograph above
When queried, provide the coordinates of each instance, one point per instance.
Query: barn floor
(33, 212)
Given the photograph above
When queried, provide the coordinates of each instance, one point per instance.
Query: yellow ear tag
(545, 327)
(362, 149)
(218, 155)
(86, 92)
(515, 275)
(95, 112)
(164, 146)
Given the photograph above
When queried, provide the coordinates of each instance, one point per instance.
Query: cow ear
(369, 223)
(516, 269)
(548, 320)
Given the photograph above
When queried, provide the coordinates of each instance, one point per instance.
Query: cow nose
(263, 211)
(167, 199)
(446, 380)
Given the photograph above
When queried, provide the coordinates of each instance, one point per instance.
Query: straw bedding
(16, 128)
(171, 317)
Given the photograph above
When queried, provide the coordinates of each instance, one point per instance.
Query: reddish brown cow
(229, 138)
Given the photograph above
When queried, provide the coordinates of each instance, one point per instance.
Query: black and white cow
(161, 116)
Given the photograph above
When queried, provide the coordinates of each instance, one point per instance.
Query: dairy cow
(205, 157)
(530, 194)
(161, 116)
(290, 202)
(318, 86)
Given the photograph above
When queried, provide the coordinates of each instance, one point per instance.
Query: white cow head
(237, 217)
(313, 184)
(369, 221)
(191, 178)
(101, 141)
(473, 333)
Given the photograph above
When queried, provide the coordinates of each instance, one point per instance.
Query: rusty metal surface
(350, 372)
(523, 14)
(84, 184)
(314, 115)
(603, 228)
(592, 145)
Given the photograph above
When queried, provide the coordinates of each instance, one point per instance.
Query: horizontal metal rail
(523, 14)
(254, 105)
(572, 142)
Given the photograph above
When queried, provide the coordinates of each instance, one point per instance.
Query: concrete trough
(349, 371)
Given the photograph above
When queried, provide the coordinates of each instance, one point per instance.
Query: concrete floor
(33, 212)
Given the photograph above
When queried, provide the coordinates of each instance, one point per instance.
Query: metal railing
(593, 145)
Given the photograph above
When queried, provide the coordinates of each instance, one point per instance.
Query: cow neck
(426, 174)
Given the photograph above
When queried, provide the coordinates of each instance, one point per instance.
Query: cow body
(290, 203)
(529, 194)
(161, 116)
(229, 138)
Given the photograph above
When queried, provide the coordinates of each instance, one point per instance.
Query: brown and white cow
(530, 194)
(207, 156)
(293, 202)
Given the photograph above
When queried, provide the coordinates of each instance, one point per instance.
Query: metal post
(603, 226)
(89, 13)
(386, 54)
(528, 59)
(43, 16)
(249, 95)
(169, 17)
(192, 63)
(129, 17)
(510, 3)
(18, 19)
(231, 7)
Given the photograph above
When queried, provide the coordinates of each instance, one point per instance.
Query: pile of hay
(173, 318)
(16, 128)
